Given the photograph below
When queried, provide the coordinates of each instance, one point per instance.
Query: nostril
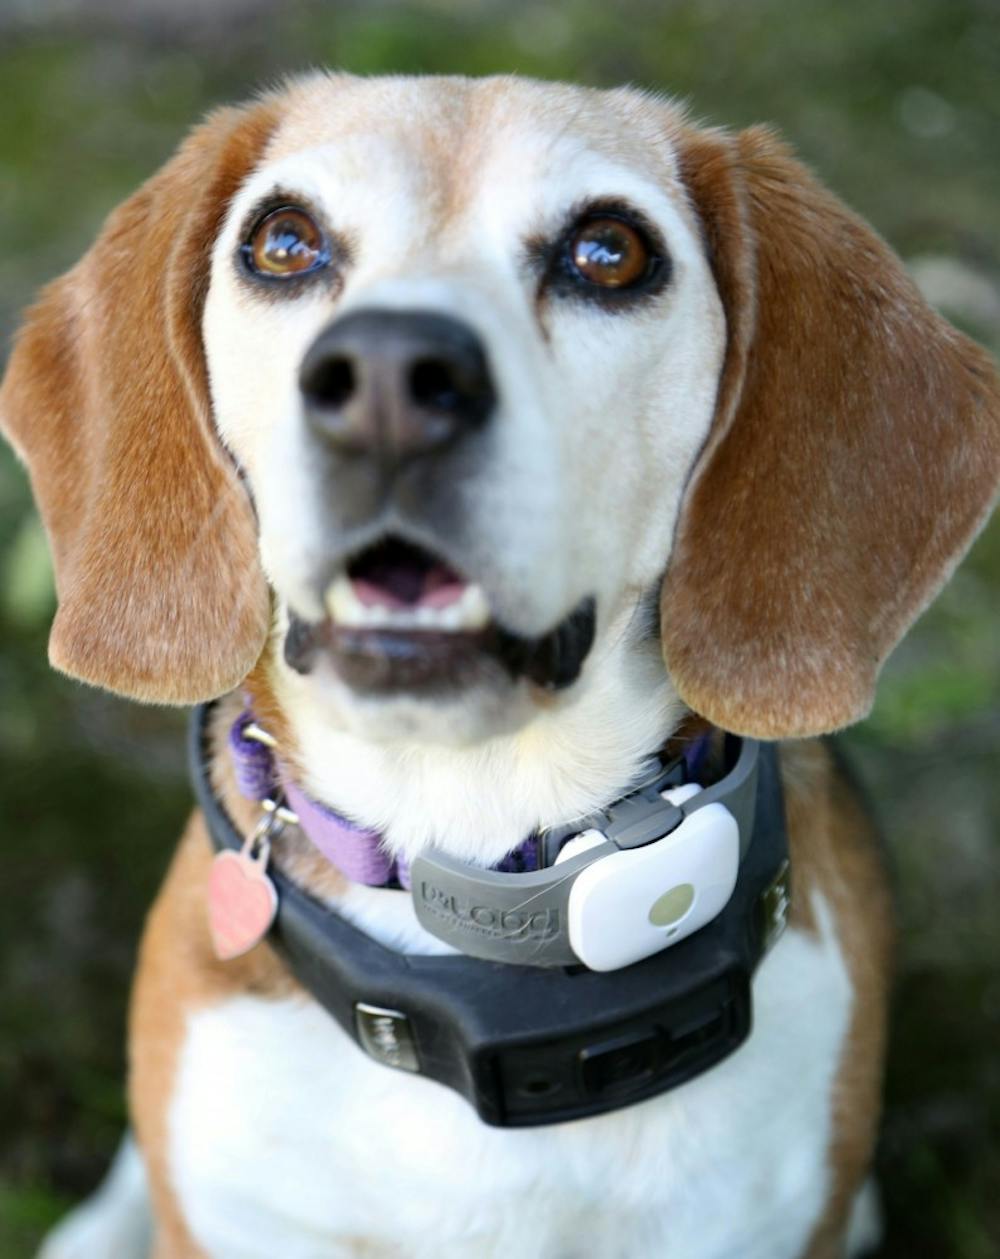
(433, 384)
(331, 382)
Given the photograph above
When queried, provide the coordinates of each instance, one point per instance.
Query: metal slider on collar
(257, 734)
(277, 814)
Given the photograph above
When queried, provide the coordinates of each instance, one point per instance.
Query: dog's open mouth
(402, 619)
(400, 587)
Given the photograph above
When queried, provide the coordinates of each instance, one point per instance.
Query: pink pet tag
(242, 900)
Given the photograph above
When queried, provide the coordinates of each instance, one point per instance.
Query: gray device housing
(523, 918)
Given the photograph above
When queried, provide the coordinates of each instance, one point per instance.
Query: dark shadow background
(897, 105)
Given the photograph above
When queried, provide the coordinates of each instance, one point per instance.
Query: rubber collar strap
(525, 1045)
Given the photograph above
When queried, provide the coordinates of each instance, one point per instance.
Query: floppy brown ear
(854, 454)
(161, 596)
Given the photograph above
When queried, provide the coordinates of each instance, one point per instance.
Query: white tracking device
(633, 903)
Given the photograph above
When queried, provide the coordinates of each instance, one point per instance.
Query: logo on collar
(493, 921)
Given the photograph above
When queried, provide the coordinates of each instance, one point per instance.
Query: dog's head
(457, 382)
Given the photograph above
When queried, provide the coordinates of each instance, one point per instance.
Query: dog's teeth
(377, 615)
(469, 613)
(450, 618)
(343, 605)
(472, 611)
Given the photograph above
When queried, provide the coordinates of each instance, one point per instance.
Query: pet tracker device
(548, 1039)
(619, 885)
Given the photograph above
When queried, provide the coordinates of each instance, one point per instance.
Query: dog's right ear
(161, 595)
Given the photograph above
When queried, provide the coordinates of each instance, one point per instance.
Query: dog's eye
(610, 253)
(286, 242)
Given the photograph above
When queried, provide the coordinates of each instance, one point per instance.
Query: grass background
(897, 104)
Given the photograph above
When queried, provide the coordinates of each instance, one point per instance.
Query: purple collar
(357, 853)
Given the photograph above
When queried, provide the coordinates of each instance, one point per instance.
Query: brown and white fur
(785, 443)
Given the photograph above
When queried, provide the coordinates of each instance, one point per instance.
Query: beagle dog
(478, 440)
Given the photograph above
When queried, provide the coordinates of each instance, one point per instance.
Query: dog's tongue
(396, 578)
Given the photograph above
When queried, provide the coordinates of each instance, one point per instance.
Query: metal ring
(277, 809)
(274, 818)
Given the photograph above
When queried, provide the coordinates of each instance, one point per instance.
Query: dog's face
(462, 384)
(466, 370)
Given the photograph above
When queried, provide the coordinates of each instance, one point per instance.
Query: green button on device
(672, 905)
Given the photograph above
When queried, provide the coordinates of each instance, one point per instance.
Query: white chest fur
(286, 1140)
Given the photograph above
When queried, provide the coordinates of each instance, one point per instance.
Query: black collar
(530, 1046)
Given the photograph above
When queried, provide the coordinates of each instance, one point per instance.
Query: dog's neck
(479, 801)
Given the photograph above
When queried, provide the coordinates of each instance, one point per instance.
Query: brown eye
(610, 252)
(286, 242)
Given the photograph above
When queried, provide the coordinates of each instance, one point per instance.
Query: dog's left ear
(854, 453)
(161, 596)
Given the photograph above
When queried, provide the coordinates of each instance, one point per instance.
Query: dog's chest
(286, 1140)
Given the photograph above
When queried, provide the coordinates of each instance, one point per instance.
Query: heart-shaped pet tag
(242, 902)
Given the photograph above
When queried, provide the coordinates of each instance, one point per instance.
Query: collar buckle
(638, 818)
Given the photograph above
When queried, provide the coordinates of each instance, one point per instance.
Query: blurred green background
(897, 104)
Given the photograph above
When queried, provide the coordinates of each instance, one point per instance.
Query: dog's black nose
(394, 384)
